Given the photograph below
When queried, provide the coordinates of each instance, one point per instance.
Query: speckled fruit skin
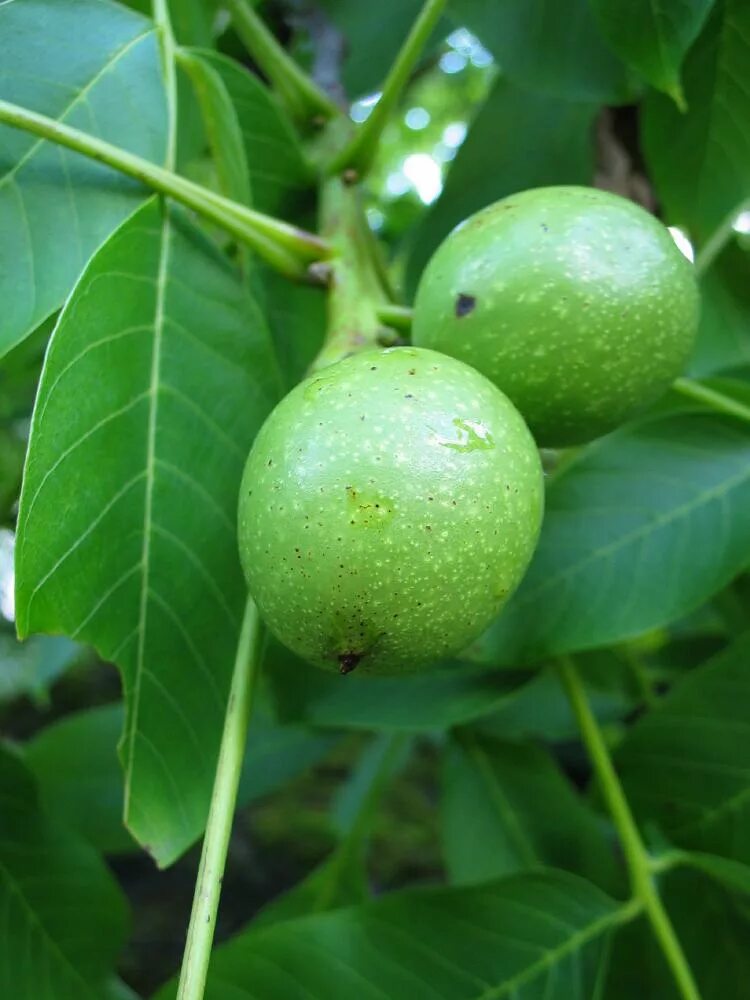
(389, 506)
(575, 302)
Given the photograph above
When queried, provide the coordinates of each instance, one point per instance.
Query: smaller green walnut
(575, 302)
(389, 506)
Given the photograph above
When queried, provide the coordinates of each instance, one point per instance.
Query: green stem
(711, 397)
(284, 247)
(218, 828)
(398, 317)
(302, 97)
(637, 858)
(355, 292)
(360, 152)
(718, 240)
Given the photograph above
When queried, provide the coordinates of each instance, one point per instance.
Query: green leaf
(541, 711)
(553, 47)
(157, 377)
(713, 928)
(653, 36)
(640, 528)
(425, 701)
(19, 373)
(221, 126)
(12, 452)
(506, 807)
(341, 880)
(64, 918)
(75, 765)
(338, 882)
(275, 754)
(278, 171)
(32, 667)
(358, 798)
(685, 765)
(700, 160)
(724, 331)
(527, 936)
(552, 144)
(93, 65)
(116, 989)
(728, 873)
(192, 20)
(297, 317)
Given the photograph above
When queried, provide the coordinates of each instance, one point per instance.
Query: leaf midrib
(159, 319)
(500, 801)
(657, 15)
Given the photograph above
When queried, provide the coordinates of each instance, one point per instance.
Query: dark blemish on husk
(465, 304)
(348, 662)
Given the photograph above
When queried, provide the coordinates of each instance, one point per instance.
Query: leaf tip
(674, 90)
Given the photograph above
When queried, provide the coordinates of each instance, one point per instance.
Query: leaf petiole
(398, 317)
(285, 247)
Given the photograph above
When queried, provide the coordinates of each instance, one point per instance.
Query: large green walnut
(575, 302)
(389, 506)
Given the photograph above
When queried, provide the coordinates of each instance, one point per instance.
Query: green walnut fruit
(575, 302)
(389, 506)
